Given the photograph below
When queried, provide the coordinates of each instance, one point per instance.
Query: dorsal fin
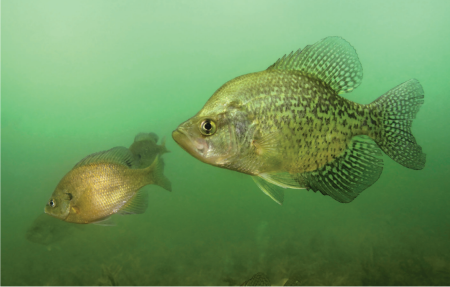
(146, 137)
(332, 60)
(120, 155)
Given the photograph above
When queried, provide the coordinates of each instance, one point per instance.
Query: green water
(84, 76)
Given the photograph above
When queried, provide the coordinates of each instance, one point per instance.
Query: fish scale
(289, 127)
(105, 183)
(299, 108)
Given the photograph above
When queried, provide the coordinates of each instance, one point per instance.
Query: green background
(84, 76)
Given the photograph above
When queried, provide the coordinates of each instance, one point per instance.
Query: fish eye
(208, 127)
(52, 203)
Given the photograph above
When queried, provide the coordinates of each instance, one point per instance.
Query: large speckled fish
(103, 184)
(288, 126)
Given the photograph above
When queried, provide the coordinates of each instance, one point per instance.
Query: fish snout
(197, 147)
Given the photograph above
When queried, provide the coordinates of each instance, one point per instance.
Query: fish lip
(47, 210)
(186, 143)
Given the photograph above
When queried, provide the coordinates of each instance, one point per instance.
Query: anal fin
(348, 175)
(137, 204)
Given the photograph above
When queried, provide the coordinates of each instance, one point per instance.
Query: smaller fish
(259, 279)
(103, 184)
(46, 230)
(145, 148)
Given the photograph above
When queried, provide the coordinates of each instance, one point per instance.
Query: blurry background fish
(46, 230)
(145, 148)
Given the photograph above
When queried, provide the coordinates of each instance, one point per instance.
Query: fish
(259, 279)
(145, 148)
(103, 184)
(289, 127)
(46, 230)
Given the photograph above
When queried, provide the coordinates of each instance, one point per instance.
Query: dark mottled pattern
(291, 119)
(346, 177)
(314, 125)
(398, 107)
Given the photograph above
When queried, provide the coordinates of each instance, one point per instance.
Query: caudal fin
(163, 148)
(398, 107)
(159, 178)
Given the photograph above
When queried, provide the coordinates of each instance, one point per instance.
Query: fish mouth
(198, 148)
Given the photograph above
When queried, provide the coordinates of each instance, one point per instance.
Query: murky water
(80, 77)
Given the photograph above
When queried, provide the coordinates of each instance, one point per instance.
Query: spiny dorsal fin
(146, 137)
(332, 60)
(120, 155)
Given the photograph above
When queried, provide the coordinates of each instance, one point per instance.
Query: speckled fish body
(289, 127)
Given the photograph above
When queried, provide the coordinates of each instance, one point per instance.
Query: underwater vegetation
(370, 260)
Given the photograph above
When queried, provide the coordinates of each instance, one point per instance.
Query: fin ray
(282, 179)
(273, 191)
(332, 60)
(399, 107)
(107, 221)
(160, 179)
(137, 204)
(120, 155)
(348, 175)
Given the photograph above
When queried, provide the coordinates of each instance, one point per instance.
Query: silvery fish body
(289, 127)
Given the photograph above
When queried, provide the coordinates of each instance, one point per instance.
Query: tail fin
(159, 178)
(163, 148)
(398, 107)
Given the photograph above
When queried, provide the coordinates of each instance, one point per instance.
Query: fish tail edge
(157, 174)
(398, 107)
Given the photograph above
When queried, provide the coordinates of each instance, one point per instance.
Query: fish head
(209, 138)
(59, 203)
(214, 135)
